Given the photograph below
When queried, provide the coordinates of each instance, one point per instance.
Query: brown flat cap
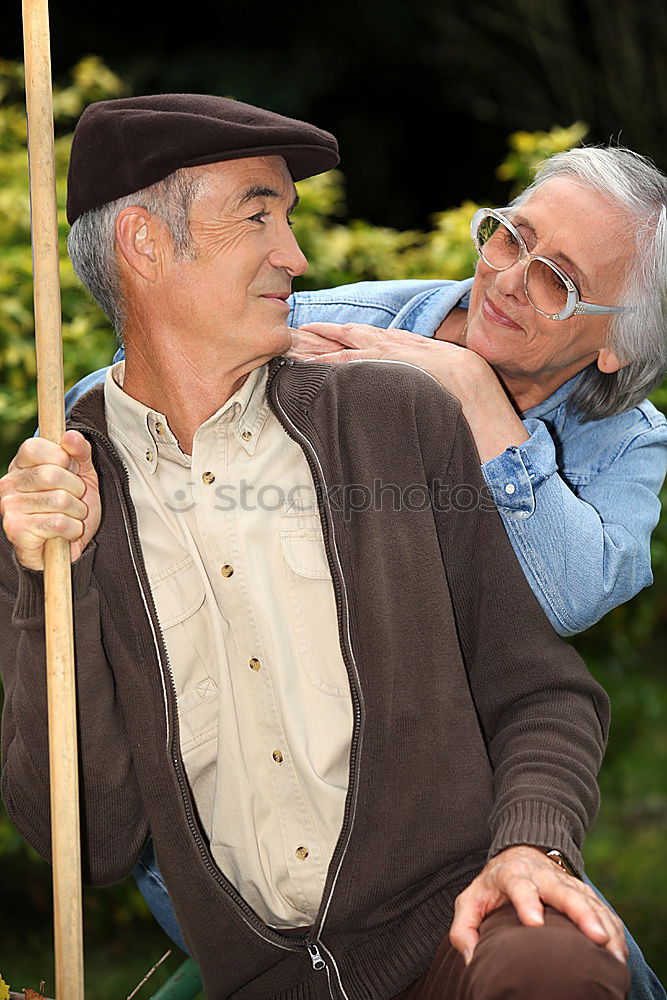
(124, 145)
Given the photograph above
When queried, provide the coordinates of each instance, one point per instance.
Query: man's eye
(259, 217)
(290, 221)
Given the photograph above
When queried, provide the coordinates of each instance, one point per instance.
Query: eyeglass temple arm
(589, 307)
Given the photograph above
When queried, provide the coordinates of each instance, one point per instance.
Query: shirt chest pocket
(180, 601)
(312, 602)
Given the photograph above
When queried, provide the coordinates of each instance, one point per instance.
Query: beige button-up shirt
(234, 552)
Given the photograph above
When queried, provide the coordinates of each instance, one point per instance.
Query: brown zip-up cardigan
(476, 727)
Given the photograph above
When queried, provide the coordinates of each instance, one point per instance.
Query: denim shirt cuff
(515, 475)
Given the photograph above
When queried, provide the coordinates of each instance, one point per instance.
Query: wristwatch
(562, 862)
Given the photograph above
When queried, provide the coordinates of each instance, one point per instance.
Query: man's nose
(288, 254)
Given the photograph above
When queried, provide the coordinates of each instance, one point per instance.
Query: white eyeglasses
(548, 288)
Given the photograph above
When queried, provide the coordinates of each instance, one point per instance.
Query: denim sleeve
(583, 552)
(313, 310)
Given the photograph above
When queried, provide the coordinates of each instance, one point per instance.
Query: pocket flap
(178, 591)
(305, 553)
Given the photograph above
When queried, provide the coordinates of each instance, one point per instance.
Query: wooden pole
(65, 836)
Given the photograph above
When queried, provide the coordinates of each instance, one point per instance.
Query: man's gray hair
(637, 336)
(92, 241)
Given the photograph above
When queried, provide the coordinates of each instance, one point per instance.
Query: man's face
(232, 294)
(591, 240)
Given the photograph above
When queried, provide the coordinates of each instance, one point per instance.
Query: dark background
(421, 95)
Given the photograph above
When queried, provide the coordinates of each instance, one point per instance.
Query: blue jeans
(644, 985)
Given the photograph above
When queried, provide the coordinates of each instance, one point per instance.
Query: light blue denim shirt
(579, 500)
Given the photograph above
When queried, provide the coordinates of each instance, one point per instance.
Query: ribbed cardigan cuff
(538, 824)
(29, 606)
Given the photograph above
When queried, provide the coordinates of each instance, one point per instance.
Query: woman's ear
(608, 362)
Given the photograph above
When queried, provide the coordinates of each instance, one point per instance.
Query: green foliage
(86, 335)
(528, 149)
(626, 650)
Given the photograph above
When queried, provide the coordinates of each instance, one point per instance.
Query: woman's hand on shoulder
(456, 368)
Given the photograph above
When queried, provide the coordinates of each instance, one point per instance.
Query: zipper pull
(315, 957)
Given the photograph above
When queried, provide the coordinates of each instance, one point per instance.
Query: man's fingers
(58, 501)
(464, 939)
(590, 915)
(80, 452)
(72, 452)
(39, 451)
(469, 911)
(29, 534)
(51, 491)
(45, 526)
(42, 478)
(525, 897)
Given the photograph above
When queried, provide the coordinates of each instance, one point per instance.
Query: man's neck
(187, 389)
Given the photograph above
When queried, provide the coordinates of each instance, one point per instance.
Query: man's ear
(608, 362)
(138, 238)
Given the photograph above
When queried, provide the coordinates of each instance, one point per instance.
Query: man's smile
(278, 297)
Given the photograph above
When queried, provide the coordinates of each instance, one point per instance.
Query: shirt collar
(424, 312)
(247, 409)
(146, 432)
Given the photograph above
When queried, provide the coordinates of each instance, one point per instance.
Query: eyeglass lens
(500, 248)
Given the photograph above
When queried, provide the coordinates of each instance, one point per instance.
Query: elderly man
(335, 723)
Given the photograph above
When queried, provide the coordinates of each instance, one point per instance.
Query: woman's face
(591, 239)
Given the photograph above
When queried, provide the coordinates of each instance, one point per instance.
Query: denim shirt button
(510, 488)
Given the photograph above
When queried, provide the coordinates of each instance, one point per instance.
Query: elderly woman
(550, 349)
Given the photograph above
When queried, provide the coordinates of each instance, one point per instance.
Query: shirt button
(301, 853)
(159, 428)
(246, 435)
(149, 455)
(510, 488)
(277, 756)
(208, 478)
(227, 570)
(254, 663)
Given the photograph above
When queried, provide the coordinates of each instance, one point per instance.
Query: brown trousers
(515, 962)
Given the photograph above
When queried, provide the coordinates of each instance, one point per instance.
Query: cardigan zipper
(314, 939)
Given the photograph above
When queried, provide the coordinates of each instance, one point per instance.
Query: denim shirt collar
(424, 312)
